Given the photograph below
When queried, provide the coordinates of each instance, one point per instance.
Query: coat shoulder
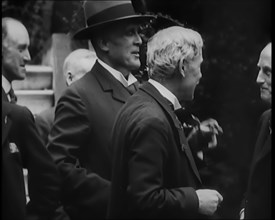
(20, 114)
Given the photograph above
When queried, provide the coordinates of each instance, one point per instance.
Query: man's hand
(209, 200)
(211, 128)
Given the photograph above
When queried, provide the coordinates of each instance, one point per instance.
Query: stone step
(37, 78)
(35, 100)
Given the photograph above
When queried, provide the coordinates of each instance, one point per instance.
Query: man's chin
(22, 76)
(186, 99)
(135, 66)
(266, 99)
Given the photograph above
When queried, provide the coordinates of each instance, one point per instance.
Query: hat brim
(85, 33)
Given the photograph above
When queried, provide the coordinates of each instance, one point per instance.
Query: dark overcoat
(258, 195)
(44, 122)
(79, 141)
(23, 148)
(154, 173)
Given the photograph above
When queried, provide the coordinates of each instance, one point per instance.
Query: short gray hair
(74, 58)
(168, 46)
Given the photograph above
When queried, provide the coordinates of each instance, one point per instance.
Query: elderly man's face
(265, 74)
(15, 51)
(123, 44)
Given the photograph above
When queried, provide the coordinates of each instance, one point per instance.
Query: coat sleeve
(43, 176)
(68, 139)
(44, 123)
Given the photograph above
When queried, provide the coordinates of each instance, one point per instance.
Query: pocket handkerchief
(13, 148)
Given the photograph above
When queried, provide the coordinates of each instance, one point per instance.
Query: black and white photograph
(136, 109)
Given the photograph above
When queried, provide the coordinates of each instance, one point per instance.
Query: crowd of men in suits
(117, 147)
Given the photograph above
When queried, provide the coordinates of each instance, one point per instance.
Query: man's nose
(199, 75)
(27, 56)
(138, 39)
(260, 78)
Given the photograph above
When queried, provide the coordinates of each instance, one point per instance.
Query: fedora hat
(99, 13)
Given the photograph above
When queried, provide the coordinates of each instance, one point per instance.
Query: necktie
(12, 96)
(187, 120)
(187, 117)
(132, 88)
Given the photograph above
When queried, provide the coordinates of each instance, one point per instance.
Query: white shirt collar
(6, 85)
(166, 93)
(118, 75)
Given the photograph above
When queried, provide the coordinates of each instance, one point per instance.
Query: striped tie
(12, 96)
(133, 88)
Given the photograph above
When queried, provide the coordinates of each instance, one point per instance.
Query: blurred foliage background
(42, 18)
(31, 14)
(234, 33)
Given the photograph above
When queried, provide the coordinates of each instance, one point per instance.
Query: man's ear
(70, 77)
(102, 44)
(181, 66)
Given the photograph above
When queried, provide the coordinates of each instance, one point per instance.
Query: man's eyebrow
(268, 68)
(22, 46)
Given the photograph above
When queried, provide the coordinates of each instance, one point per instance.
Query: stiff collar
(118, 75)
(166, 94)
(6, 85)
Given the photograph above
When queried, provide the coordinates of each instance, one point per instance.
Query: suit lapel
(4, 96)
(109, 84)
(263, 144)
(149, 89)
(266, 147)
(6, 121)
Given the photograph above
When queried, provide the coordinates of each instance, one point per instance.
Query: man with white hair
(77, 63)
(154, 172)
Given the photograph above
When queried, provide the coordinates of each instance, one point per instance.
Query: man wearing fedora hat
(80, 137)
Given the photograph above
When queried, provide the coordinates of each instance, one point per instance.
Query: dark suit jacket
(79, 141)
(154, 173)
(22, 148)
(44, 123)
(258, 195)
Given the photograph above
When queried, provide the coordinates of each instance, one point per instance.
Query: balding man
(21, 143)
(15, 55)
(76, 64)
(257, 202)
